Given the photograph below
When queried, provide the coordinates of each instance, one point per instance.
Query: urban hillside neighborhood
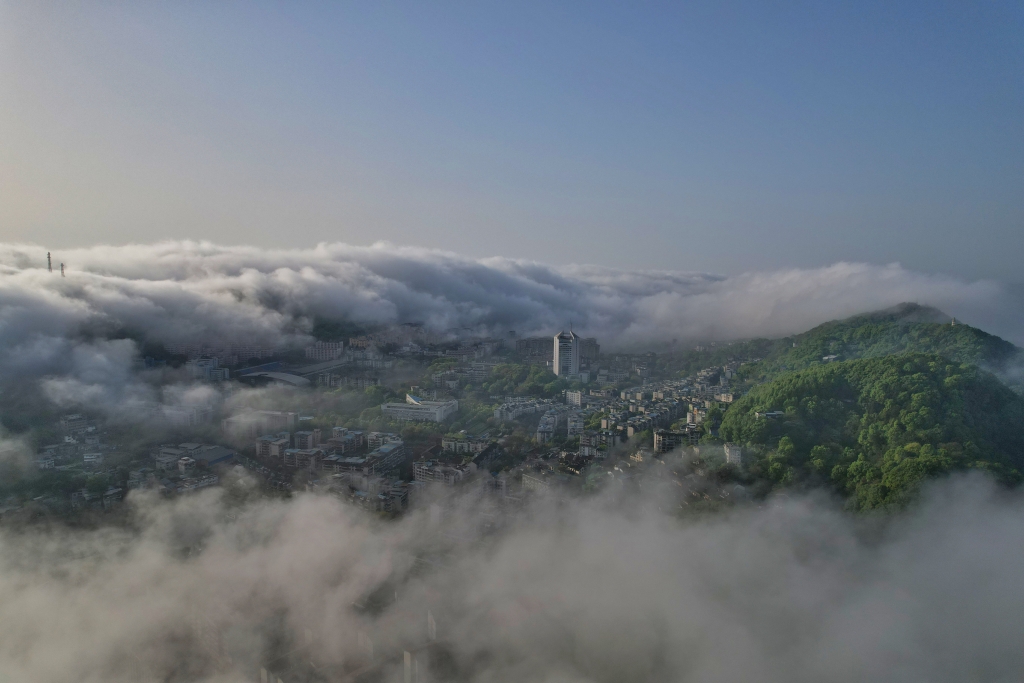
(402, 416)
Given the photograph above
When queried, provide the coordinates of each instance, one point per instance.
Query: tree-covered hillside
(907, 328)
(876, 427)
(901, 329)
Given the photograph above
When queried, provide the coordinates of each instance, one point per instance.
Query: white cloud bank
(199, 292)
(795, 591)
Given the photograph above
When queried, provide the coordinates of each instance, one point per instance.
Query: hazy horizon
(178, 292)
(287, 403)
(719, 139)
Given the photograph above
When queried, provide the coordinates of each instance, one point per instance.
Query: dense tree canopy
(525, 380)
(876, 427)
(902, 329)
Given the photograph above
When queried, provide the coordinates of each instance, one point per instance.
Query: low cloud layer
(791, 591)
(211, 588)
(70, 331)
(186, 292)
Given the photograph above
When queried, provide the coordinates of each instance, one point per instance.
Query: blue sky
(722, 138)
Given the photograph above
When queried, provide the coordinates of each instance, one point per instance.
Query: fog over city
(602, 590)
(182, 292)
(559, 342)
(227, 585)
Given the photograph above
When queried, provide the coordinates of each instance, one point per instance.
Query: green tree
(96, 484)
(878, 427)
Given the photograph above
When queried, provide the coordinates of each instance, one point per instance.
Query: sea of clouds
(189, 292)
(212, 587)
(77, 339)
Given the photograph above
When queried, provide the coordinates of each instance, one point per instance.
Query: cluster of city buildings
(567, 355)
(673, 411)
(182, 468)
(363, 467)
(344, 451)
(371, 492)
(81, 448)
(224, 354)
(207, 369)
(370, 480)
(462, 443)
(355, 465)
(515, 407)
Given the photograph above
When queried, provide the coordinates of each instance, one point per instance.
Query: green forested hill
(875, 427)
(901, 329)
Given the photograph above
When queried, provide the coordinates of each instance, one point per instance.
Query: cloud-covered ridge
(187, 292)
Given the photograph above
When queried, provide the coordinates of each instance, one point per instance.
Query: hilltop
(906, 328)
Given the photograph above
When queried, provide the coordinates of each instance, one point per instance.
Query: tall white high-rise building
(567, 354)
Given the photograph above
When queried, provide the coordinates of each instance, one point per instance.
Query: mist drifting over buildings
(222, 584)
(358, 453)
(182, 292)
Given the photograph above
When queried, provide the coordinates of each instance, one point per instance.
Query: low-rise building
(167, 458)
(417, 409)
(344, 441)
(73, 423)
(640, 455)
(435, 471)
(464, 444)
(379, 461)
(210, 455)
(207, 369)
(574, 425)
(325, 351)
(272, 445)
(496, 483)
(194, 483)
(549, 424)
(574, 463)
(302, 457)
(513, 409)
(375, 440)
(307, 439)
(388, 456)
(665, 440)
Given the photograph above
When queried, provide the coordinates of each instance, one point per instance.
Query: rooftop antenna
(62, 270)
(49, 263)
